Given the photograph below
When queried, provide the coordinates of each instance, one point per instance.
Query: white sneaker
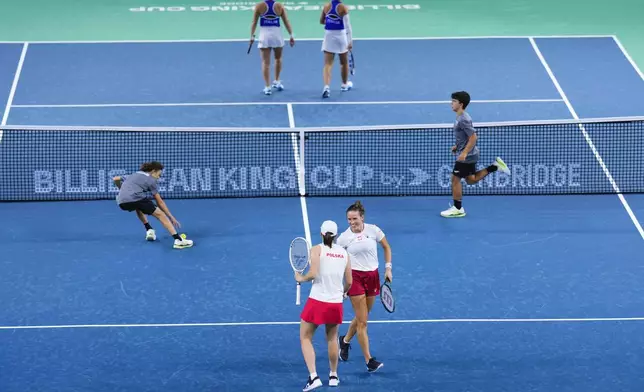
(334, 381)
(267, 91)
(150, 235)
(312, 384)
(453, 212)
(278, 85)
(327, 92)
(501, 165)
(184, 243)
(347, 87)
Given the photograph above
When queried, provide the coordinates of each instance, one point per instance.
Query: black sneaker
(312, 384)
(373, 365)
(344, 349)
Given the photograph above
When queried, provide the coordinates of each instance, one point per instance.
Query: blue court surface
(527, 293)
(216, 84)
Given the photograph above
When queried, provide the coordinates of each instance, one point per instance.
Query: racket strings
(300, 262)
(387, 298)
(299, 255)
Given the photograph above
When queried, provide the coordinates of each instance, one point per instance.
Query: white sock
(333, 374)
(313, 375)
(326, 87)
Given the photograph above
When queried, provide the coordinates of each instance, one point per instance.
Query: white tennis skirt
(335, 41)
(270, 37)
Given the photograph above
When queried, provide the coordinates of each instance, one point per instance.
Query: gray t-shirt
(463, 129)
(137, 186)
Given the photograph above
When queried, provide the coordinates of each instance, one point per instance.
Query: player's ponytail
(357, 206)
(328, 239)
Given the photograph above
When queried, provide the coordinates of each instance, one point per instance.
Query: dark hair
(462, 97)
(151, 166)
(357, 206)
(328, 239)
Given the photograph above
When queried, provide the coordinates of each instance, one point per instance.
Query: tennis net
(545, 157)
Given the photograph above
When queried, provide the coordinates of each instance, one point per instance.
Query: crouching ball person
(136, 192)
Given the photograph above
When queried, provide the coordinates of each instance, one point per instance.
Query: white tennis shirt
(328, 285)
(362, 247)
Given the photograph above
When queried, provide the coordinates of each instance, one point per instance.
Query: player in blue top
(338, 39)
(467, 155)
(135, 194)
(268, 13)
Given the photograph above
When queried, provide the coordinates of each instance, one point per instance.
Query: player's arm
(118, 180)
(163, 206)
(325, 9)
(315, 266)
(348, 276)
(256, 14)
(343, 10)
(471, 141)
(281, 11)
(387, 250)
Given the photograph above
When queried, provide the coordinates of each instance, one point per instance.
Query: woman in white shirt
(361, 242)
(330, 264)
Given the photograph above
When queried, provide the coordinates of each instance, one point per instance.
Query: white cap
(329, 227)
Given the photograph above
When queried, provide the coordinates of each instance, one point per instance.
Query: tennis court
(537, 289)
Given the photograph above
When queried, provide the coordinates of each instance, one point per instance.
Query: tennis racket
(250, 45)
(387, 296)
(299, 258)
(352, 63)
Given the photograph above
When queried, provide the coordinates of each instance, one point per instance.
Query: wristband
(388, 265)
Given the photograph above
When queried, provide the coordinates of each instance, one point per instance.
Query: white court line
(588, 139)
(481, 37)
(111, 105)
(385, 127)
(291, 116)
(298, 153)
(276, 323)
(14, 86)
(628, 56)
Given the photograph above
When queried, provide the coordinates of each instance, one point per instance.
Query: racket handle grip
(297, 295)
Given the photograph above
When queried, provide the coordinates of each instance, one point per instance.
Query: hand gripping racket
(250, 44)
(299, 258)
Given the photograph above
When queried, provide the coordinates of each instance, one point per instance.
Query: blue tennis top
(333, 20)
(269, 18)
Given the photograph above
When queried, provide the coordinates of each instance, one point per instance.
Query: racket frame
(386, 286)
(308, 262)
